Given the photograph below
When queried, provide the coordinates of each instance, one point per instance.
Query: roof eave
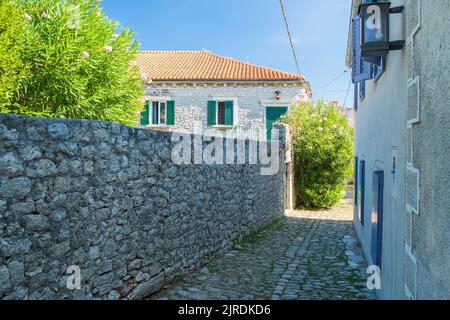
(353, 13)
(227, 80)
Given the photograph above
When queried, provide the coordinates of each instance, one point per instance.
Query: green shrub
(12, 45)
(80, 64)
(323, 153)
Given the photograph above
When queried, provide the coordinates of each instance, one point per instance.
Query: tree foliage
(77, 62)
(12, 44)
(323, 153)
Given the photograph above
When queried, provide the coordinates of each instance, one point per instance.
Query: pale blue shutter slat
(355, 46)
(361, 70)
(355, 97)
(362, 91)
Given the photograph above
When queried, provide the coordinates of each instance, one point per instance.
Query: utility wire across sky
(290, 36)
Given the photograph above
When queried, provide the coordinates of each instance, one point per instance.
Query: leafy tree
(80, 64)
(323, 153)
(12, 44)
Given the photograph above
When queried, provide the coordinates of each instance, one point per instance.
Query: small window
(158, 113)
(220, 113)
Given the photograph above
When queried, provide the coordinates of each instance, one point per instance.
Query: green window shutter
(229, 113)
(212, 113)
(145, 115)
(170, 113)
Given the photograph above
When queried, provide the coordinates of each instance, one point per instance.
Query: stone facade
(250, 101)
(108, 199)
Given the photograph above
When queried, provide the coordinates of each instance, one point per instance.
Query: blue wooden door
(377, 216)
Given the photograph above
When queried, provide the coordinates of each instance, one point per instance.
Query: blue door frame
(362, 191)
(356, 181)
(377, 216)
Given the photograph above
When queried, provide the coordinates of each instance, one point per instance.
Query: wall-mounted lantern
(278, 95)
(375, 28)
(382, 28)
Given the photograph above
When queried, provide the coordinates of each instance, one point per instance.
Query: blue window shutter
(356, 181)
(366, 71)
(373, 60)
(356, 25)
(361, 70)
(355, 96)
(378, 69)
(362, 91)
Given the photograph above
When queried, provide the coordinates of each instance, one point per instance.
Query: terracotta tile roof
(205, 66)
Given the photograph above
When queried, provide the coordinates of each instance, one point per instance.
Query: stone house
(402, 148)
(199, 90)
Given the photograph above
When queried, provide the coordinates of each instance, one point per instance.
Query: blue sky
(250, 30)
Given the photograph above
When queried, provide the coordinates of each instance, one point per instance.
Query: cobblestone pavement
(309, 255)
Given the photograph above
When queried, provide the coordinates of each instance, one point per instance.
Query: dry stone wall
(109, 200)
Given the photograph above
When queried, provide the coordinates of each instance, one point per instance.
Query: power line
(342, 90)
(348, 90)
(290, 36)
(331, 81)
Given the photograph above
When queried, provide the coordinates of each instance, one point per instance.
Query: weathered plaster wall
(108, 199)
(427, 261)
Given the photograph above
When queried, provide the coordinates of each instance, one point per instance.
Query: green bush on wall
(66, 59)
(323, 153)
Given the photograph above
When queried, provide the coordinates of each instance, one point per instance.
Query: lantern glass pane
(375, 24)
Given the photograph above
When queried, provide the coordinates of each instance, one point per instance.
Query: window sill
(159, 126)
(223, 126)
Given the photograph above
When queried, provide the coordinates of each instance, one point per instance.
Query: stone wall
(108, 199)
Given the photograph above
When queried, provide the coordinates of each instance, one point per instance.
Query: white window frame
(220, 98)
(217, 114)
(159, 100)
(159, 113)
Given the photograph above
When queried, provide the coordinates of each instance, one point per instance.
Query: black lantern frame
(374, 41)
